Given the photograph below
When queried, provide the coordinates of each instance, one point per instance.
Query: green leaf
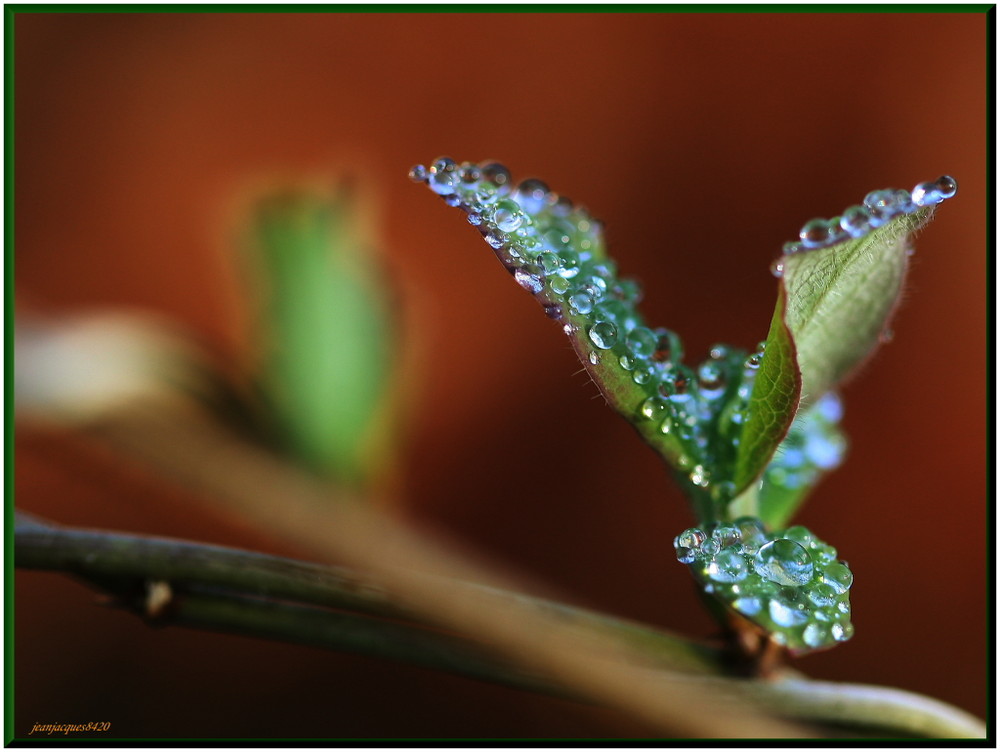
(325, 322)
(834, 303)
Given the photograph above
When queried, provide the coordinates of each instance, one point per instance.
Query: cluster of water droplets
(877, 209)
(555, 250)
(789, 582)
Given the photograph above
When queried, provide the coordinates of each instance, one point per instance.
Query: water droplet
(837, 576)
(748, 605)
(800, 535)
(507, 215)
(710, 547)
(699, 476)
(926, 194)
(946, 186)
(778, 269)
(530, 282)
(559, 285)
(839, 633)
(561, 206)
(855, 221)
(418, 173)
(668, 347)
(666, 427)
(753, 362)
(728, 566)
(627, 361)
(784, 562)
(452, 199)
(495, 173)
(642, 375)
(791, 248)
(549, 262)
(532, 194)
(641, 341)
(603, 334)
(711, 379)
(497, 240)
(475, 219)
(786, 614)
(822, 595)
(653, 408)
(815, 635)
(581, 303)
(727, 535)
(687, 545)
(815, 233)
(594, 357)
(443, 176)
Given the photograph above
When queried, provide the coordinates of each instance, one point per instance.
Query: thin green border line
(497, 8)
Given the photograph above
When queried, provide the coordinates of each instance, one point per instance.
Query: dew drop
(728, 566)
(507, 215)
(581, 303)
(559, 285)
(549, 262)
(469, 174)
(496, 240)
(748, 605)
(603, 334)
(699, 476)
(642, 375)
(786, 614)
(855, 221)
(532, 195)
(946, 186)
(727, 535)
(687, 545)
(814, 635)
(594, 357)
(418, 173)
(791, 248)
(627, 361)
(641, 341)
(926, 194)
(815, 233)
(475, 219)
(778, 269)
(837, 576)
(822, 595)
(495, 173)
(530, 282)
(784, 562)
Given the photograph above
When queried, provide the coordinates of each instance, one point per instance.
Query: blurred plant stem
(251, 594)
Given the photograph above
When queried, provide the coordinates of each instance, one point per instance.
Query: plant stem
(269, 597)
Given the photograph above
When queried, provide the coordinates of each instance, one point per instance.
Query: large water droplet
(822, 595)
(653, 408)
(603, 334)
(495, 173)
(926, 194)
(784, 562)
(559, 285)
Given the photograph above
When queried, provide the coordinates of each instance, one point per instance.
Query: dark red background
(703, 141)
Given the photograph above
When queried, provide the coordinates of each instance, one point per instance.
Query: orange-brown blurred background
(702, 140)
